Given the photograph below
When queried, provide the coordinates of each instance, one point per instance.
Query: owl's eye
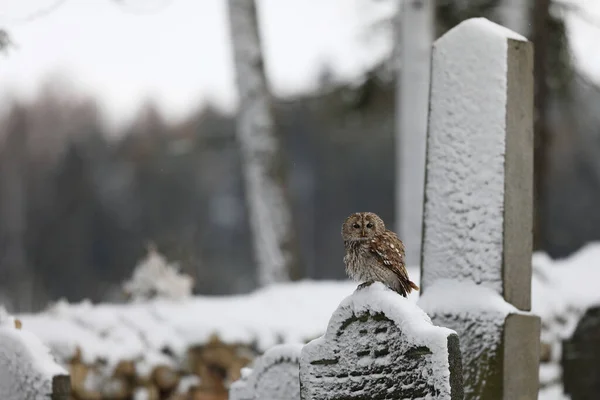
(356, 226)
(369, 225)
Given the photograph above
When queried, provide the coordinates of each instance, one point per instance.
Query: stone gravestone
(28, 370)
(61, 387)
(581, 358)
(379, 345)
(275, 376)
(477, 241)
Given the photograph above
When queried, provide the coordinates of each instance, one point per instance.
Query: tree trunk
(270, 212)
(541, 143)
(515, 15)
(16, 279)
(416, 31)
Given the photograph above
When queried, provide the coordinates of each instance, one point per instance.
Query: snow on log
(379, 345)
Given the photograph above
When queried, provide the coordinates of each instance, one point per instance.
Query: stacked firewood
(205, 375)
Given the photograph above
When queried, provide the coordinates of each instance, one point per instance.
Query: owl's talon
(364, 285)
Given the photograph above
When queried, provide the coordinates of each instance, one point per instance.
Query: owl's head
(362, 226)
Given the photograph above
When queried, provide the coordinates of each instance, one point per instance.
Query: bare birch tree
(270, 212)
(416, 35)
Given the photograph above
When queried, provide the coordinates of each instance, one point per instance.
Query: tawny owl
(374, 254)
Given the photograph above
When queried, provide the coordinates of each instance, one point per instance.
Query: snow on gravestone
(275, 376)
(477, 238)
(27, 369)
(581, 358)
(379, 345)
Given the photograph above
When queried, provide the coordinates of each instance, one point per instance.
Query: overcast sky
(179, 56)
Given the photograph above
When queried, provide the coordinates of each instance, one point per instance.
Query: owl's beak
(363, 233)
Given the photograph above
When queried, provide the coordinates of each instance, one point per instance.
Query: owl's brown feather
(389, 250)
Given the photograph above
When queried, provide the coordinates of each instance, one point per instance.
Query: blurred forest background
(78, 204)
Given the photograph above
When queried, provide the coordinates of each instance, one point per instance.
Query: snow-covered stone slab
(27, 369)
(274, 376)
(380, 345)
(476, 269)
(479, 186)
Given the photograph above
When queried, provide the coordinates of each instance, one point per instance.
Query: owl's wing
(389, 250)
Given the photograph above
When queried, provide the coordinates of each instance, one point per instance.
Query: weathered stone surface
(378, 345)
(61, 387)
(499, 338)
(501, 367)
(581, 358)
(520, 356)
(478, 191)
(275, 375)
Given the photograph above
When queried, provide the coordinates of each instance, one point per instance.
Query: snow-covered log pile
(27, 369)
(163, 346)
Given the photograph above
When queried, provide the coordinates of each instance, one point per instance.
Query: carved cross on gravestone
(477, 239)
(379, 345)
(275, 376)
